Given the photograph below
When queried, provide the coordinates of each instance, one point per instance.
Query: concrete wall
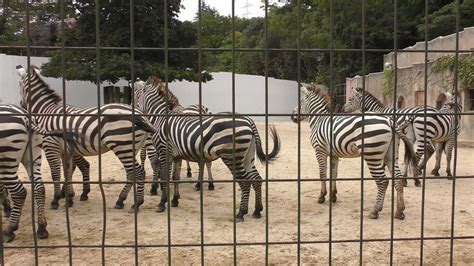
(406, 59)
(216, 94)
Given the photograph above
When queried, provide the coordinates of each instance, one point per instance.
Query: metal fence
(298, 243)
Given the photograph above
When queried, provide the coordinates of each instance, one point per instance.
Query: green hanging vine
(465, 67)
(388, 83)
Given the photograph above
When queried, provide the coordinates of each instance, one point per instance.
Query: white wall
(216, 94)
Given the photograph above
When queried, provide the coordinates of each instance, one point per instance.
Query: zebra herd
(168, 133)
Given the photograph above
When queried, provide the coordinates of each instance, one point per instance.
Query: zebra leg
(449, 153)
(209, 176)
(420, 153)
(84, 167)
(68, 188)
(155, 165)
(139, 176)
(175, 177)
(398, 185)
(377, 170)
(439, 152)
(18, 196)
(7, 209)
(54, 162)
(244, 208)
(257, 187)
(165, 170)
(322, 160)
(334, 165)
(143, 155)
(188, 170)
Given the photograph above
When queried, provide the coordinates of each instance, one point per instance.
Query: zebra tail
(276, 146)
(71, 138)
(410, 154)
(144, 124)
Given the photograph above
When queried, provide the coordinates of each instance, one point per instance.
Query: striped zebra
(116, 129)
(452, 105)
(15, 148)
(349, 137)
(439, 126)
(179, 137)
(194, 109)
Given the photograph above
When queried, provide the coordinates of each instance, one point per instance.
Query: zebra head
(313, 100)
(453, 101)
(33, 88)
(354, 103)
(137, 88)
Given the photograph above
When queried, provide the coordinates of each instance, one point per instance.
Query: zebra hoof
(257, 215)
(119, 205)
(417, 183)
(153, 192)
(374, 215)
(211, 186)
(239, 219)
(435, 173)
(189, 174)
(70, 203)
(321, 199)
(334, 198)
(84, 197)
(399, 215)
(405, 183)
(42, 233)
(54, 205)
(160, 208)
(197, 187)
(8, 237)
(174, 203)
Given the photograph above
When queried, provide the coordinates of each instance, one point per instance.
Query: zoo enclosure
(362, 51)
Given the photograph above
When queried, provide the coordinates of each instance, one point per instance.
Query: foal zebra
(194, 109)
(349, 137)
(15, 147)
(179, 137)
(117, 127)
(439, 126)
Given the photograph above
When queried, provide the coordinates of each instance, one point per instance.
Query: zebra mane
(368, 96)
(321, 91)
(51, 94)
(157, 84)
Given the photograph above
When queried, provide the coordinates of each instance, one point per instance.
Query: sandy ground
(281, 216)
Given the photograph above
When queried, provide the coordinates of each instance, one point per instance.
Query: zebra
(349, 137)
(439, 126)
(453, 102)
(194, 109)
(15, 147)
(117, 127)
(179, 137)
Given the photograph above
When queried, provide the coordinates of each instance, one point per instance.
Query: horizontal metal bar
(342, 179)
(192, 49)
(306, 242)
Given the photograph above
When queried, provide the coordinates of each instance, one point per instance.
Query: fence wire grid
(298, 242)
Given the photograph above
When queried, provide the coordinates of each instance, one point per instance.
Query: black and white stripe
(15, 149)
(179, 137)
(349, 137)
(439, 125)
(119, 131)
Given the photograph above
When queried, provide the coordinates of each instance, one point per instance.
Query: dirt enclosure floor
(86, 218)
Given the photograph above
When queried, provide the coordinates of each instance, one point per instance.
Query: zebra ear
(21, 71)
(304, 90)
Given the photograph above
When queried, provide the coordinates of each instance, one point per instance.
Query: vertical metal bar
(234, 201)
(361, 221)
(266, 131)
(298, 44)
(201, 147)
(99, 131)
(331, 122)
(30, 120)
(132, 76)
(425, 87)
(394, 119)
(66, 152)
(166, 125)
(456, 81)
